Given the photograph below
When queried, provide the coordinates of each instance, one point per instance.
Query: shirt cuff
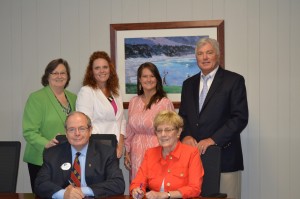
(87, 191)
(59, 194)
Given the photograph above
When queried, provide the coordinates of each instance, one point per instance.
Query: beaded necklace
(67, 109)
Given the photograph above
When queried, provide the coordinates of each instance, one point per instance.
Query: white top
(94, 104)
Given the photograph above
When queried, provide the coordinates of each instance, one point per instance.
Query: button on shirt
(181, 170)
(87, 191)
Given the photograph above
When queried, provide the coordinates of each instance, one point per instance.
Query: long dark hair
(160, 93)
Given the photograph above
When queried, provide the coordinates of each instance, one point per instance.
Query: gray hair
(89, 123)
(214, 43)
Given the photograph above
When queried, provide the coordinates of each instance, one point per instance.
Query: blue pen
(138, 196)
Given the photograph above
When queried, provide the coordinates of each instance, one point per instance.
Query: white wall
(261, 43)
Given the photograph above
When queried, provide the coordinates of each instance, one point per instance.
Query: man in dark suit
(100, 172)
(223, 116)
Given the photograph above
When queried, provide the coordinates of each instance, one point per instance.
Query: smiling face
(167, 135)
(148, 81)
(77, 130)
(101, 71)
(58, 77)
(207, 58)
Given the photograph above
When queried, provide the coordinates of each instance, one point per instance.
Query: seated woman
(171, 170)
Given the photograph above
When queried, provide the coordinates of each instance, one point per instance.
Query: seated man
(94, 171)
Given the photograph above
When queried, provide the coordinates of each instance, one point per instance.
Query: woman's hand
(127, 161)
(51, 143)
(120, 146)
(137, 193)
(120, 150)
(156, 195)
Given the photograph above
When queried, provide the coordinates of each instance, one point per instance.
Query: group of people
(162, 148)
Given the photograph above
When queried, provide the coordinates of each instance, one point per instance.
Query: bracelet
(169, 195)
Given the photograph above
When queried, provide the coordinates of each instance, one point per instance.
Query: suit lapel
(195, 92)
(90, 162)
(55, 104)
(110, 113)
(67, 158)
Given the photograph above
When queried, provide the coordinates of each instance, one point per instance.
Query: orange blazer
(181, 170)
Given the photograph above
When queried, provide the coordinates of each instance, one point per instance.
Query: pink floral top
(140, 133)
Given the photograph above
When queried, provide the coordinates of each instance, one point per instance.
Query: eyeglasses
(81, 129)
(56, 74)
(159, 131)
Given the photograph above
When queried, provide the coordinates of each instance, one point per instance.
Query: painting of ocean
(173, 56)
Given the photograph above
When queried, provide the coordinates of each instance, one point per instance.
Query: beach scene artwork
(173, 56)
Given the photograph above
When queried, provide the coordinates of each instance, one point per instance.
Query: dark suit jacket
(223, 117)
(102, 172)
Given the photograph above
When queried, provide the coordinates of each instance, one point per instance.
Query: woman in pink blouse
(140, 133)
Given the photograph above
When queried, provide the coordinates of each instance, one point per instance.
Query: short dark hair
(51, 67)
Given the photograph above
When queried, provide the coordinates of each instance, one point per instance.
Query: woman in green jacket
(45, 113)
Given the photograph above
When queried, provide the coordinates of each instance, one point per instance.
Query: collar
(174, 154)
(212, 73)
(83, 151)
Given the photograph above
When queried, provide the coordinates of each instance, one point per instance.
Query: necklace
(110, 98)
(67, 110)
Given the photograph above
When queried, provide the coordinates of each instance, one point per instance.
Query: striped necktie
(76, 172)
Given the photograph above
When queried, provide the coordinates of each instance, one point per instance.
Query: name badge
(65, 166)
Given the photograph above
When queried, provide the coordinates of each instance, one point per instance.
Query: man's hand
(204, 144)
(189, 140)
(73, 193)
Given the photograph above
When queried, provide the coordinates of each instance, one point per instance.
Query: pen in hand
(71, 183)
(138, 196)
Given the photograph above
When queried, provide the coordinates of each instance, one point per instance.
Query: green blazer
(43, 119)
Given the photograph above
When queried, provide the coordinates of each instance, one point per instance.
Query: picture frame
(121, 33)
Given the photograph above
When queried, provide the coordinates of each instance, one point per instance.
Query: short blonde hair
(168, 117)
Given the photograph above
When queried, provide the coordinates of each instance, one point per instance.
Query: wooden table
(32, 196)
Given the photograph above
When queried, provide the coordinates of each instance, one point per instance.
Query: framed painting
(169, 45)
